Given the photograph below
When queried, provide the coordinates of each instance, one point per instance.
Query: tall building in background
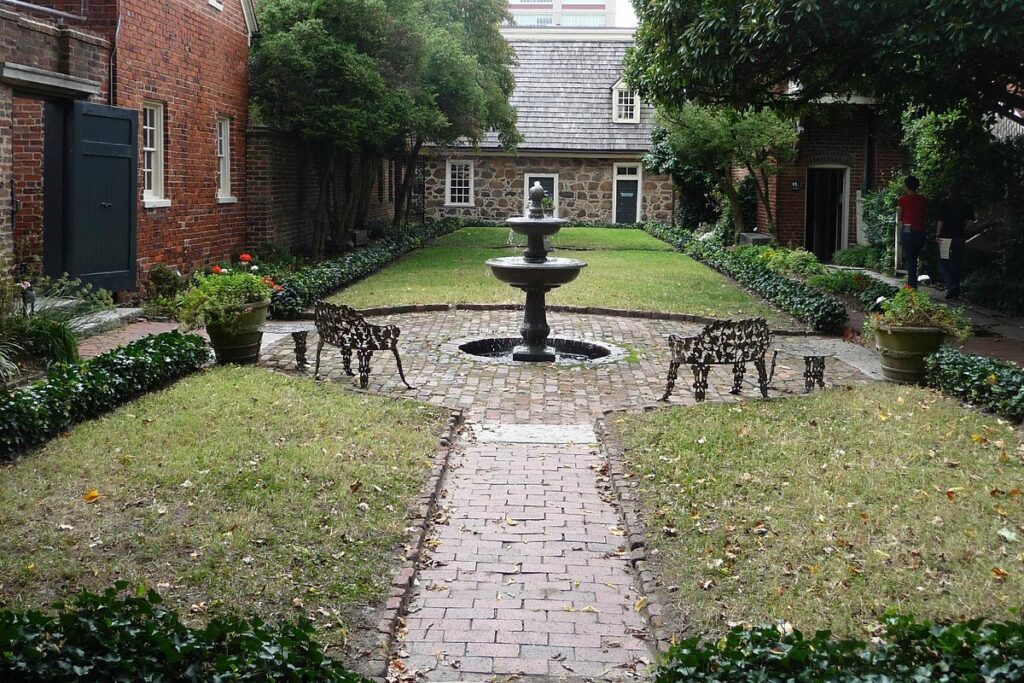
(570, 13)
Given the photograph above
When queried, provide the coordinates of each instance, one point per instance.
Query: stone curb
(624, 489)
(579, 310)
(404, 579)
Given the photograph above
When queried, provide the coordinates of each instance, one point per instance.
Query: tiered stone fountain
(536, 274)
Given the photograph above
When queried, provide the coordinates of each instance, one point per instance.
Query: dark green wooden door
(100, 241)
(625, 200)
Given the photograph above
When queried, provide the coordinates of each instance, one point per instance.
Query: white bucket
(944, 246)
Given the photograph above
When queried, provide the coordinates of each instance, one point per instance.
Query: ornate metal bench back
(344, 327)
(730, 341)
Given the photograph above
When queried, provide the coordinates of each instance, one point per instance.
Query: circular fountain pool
(567, 351)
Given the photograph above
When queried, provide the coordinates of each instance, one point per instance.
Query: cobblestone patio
(528, 575)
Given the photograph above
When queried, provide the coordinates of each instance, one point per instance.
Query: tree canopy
(936, 54)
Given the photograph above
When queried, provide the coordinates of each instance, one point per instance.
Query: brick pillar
(6, 172)
(28, 182)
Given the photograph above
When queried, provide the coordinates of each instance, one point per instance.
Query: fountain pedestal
(535, 274)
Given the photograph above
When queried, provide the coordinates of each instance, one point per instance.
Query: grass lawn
(826, 511)
(236, 489)
(566, 238)
(454, 271)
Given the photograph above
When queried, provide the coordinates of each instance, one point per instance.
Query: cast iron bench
(346, 329)
(726, 342)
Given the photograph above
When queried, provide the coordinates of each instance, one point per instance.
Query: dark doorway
(826, 205)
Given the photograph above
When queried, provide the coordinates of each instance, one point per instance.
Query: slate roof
(564, 98)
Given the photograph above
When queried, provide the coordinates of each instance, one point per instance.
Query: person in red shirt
(911, 210)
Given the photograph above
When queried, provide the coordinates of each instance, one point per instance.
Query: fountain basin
(536, 227)
(566, 351)
(520, 273)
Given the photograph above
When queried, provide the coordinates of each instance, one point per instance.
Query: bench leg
(700, 382)
(673, 373)
(300, 349)
(319, 350)
(814, 372)
(346, 360)
(364, 367)
(762, 376)
(739, 370)
(398, 360)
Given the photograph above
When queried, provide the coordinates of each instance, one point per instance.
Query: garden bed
(237, 490)
(826, 511)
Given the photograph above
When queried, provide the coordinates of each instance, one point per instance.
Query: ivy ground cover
(827, 511)
(627, 269)
(235, 491)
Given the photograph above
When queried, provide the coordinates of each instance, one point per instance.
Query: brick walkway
(527, 577)
(106, 341)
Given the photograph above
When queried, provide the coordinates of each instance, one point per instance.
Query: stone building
(584, 134)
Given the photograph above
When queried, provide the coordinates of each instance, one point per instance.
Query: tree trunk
(367, 176)
(403, 192)
(324, 172)
(728, 187)
(761, 184)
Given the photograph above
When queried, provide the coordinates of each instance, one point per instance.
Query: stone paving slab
(529, 575)
(534, 433)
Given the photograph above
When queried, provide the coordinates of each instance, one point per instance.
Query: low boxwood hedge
(909, 651)
(864, 288)
(301, 288)
(819, 311)
(72, 393)
(132, 637)
(989, 384)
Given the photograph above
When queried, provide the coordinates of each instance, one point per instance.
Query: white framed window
(625, 104)
(549, 181)
(535, 19)
(628, 192)
(459, 188)
(585, 20)
(153, 193)
(217, 4)
(224, 160)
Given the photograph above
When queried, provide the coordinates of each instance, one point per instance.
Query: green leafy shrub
(124, 638)
(52, 339)
(161, 287)
(859, 257)
(222, 296)
(72, 393)
(990, 384)
(908, 651)
(820, 311)
(912, 308)
(305, 286)
(785, 261)
(866, 289)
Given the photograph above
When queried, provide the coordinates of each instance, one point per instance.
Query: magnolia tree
(363, 80)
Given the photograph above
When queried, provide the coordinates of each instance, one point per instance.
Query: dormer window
(625, 104)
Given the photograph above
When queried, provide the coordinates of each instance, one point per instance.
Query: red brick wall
(28, 182)
(836, 136)
(193, 58)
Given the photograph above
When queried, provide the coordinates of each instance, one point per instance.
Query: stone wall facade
(585, 188)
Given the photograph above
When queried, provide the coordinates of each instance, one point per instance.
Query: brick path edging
(624, 488)
(403, 580)
(382, 311)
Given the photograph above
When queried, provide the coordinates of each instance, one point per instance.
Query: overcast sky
(624, 15)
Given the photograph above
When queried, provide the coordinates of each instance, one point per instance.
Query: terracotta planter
(241, 343)
(903, 350)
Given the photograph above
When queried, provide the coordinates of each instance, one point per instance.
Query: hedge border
(71, 394)
(994, 385)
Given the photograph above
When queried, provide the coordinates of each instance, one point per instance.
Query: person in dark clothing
(911, 210)
(955, 214)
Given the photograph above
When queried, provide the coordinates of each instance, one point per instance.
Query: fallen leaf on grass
(999, 574)
(1008, 535)
(640, 604)
(91, 496)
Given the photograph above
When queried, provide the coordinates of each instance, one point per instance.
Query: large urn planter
(903, 350)
(240, 342)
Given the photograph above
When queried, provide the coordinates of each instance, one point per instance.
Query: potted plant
(232, 304)
(910, 327)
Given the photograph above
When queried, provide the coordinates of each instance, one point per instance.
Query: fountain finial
(537, 194)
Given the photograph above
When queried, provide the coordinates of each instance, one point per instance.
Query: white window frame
(639, 188)
(448, 182)
(223, 149)
(526, 191)
(155, 196)
(617, 117)
(217, 4)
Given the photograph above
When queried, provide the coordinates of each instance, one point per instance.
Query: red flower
(907, 287)
(245, 258)
(278, 288)
(217, 270)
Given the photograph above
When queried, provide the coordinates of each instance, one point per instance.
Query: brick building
(585, 134)
(845, 150)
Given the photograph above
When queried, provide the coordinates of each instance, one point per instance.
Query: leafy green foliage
(908, 651)
(785, 261)
(863, 256)
(820, 311)
(219, 298)
(913, 308)
(51, 338)
(866, 289)
(994, 385)
(72, 393)
(696, 202)
(125, 637)
(303, 287)
(940, 54)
